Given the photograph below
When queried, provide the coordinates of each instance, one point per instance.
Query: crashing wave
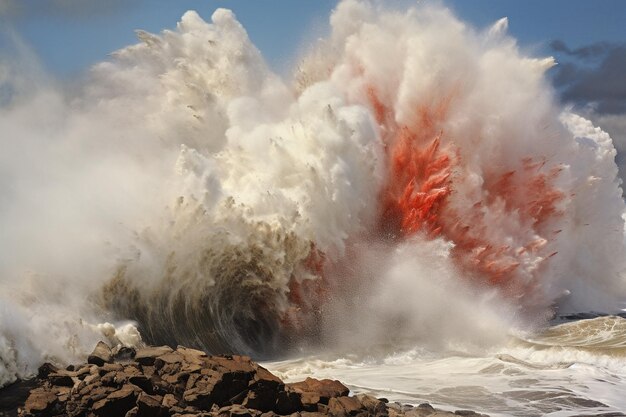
(417, 176)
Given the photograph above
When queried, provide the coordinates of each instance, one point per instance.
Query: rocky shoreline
(184, 382)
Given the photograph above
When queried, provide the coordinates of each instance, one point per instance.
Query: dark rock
(14, 396)
(372, 405)
(121, 378)
(192, 355)
(172, 376)
(168, 358)
(262, 393)
(147, 356)
(288, 402)
(99, 392)
(123, 353)
(266, 378)
(118, 403)
(45, 370)
(148, 370)
(309, 401)
(100, 355)
(162, 382)
(112, 367)
(61, 379)
(132, 370)
(215, 387)
(63, 393)
(236, 410)
(235, 367)
(192, 410)
(75, 409)
(108, 379)
(191, 381)
(82, 372)
(151, 406)
(162, 387)
(91, 379)
(191, 368)
(142, 382)
(124, 375)
(41, 402)
(177, 379)
(260, 400)
(169, 401)
(465, 413)
(424, 410)
(94, 392)
(193, 360)
(325, 388)
(344, 406)
(176, 409)
(201, 394)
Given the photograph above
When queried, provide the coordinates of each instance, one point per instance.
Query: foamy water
(415, 184)
(570, 369)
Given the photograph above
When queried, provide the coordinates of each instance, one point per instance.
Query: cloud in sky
(595, 75)
(593, 79)
(585, 52)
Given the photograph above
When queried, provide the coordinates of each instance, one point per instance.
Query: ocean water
(572, 368)
(407, 212)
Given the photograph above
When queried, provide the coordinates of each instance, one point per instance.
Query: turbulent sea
(573, 368)
(411, 211)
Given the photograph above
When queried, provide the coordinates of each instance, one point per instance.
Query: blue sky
(70, 35)
(588, 38)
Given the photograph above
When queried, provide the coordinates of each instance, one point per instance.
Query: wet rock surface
(163, 382)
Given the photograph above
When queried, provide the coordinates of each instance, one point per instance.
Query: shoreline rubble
(184, 382)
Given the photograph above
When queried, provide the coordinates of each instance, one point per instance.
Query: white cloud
(615, 125)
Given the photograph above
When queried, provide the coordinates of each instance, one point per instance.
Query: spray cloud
(404, 177)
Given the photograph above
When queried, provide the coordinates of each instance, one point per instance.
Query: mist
(184, 191)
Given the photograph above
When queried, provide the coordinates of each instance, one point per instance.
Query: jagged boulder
(117, 403)
(148, 355)
(184, 382)
(346, 406)
(101, 354)
(40, 402)
(151, 406)
(324, 389)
